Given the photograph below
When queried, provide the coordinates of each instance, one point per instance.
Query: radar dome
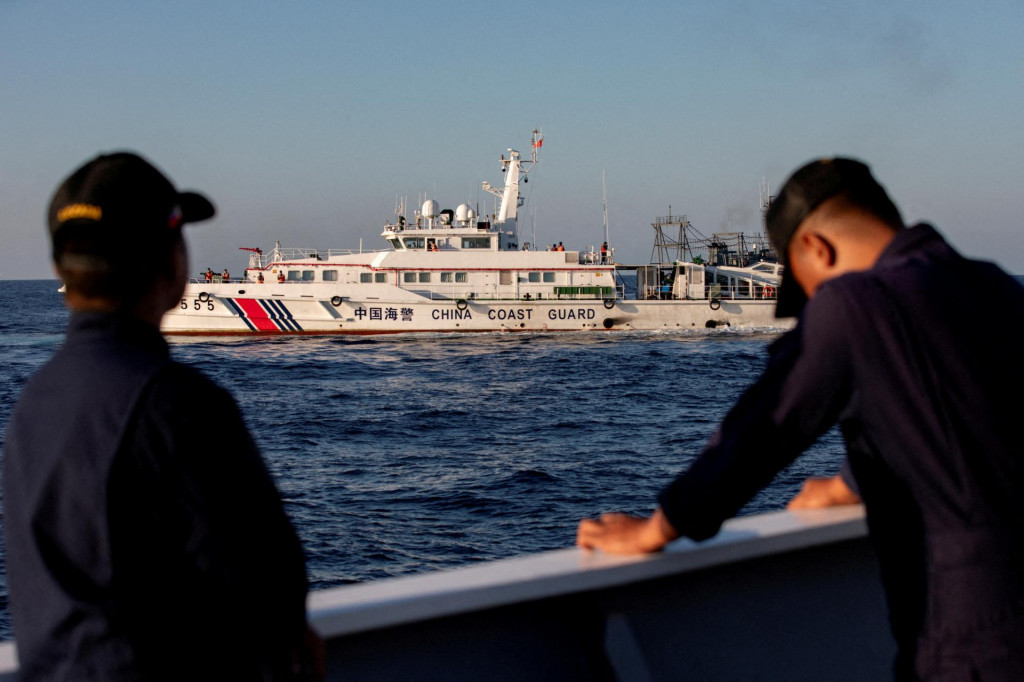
(463, 213)
(430, 208)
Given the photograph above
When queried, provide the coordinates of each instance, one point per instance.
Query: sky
(304, 121)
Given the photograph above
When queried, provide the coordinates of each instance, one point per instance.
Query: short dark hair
(877, 204)
(820, 180)
(810, 186)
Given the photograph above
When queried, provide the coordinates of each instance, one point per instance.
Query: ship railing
(777, 596)
(743, 292)
(216, 279)
(593, 256)
(280, 254)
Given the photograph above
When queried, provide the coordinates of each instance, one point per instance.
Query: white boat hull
(272, 309)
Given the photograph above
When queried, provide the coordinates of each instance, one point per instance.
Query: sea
(402, 454)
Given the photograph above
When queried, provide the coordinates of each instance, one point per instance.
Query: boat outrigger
(455, 271)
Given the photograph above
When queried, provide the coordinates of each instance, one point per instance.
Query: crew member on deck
(225, 276)
(884, 346)
(144, 542)
(280, 276)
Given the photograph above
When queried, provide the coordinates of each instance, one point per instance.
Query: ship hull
(297, 309)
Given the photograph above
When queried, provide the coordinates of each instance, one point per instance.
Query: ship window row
(431, 244)
(426, 277)
(308, 275)
(476, 242)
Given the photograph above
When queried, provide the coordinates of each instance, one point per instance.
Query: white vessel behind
(455, 271)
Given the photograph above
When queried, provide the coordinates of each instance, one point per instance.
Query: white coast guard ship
(455, 271)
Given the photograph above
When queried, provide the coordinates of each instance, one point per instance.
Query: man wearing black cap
(145, 538)
(887, 346)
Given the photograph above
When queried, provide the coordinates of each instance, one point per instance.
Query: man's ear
(821, 248)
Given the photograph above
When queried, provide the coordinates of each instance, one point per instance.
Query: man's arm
(625, 534)
(800, 394)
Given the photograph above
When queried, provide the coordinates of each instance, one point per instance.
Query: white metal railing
(745, 293)
(217, 279)
(279, 254)
(777, 596)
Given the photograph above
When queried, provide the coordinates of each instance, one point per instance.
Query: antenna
(533, 225)
(604, 207)
(766, 197)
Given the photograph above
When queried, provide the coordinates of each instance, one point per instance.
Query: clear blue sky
(304, 120)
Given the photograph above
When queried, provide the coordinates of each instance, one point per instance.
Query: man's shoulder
(184, 384)
(837, 297)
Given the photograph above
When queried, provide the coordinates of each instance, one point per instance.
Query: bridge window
(549, 277)
(424, 277)
(380, 277)
(365, 277)
(534, 276)
(447, 277)
(409, 277)
(300, 275)
(413, 242)
(476, 242)
(330, 275)
(461, 277)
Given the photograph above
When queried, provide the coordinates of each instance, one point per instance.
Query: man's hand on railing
(625, 534)
(818, 493)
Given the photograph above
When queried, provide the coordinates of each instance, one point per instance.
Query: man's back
(928, 336)
(933, 440)
(142, 527)
(911, 349)
(894, 355)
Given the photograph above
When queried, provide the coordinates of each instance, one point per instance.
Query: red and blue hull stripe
(263, 314)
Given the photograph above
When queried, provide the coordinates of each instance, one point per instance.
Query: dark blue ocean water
(402, 454)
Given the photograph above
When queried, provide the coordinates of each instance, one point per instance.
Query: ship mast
(515, 170)
(604, 208)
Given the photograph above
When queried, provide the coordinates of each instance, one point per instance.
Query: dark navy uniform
(142, 526)
(918, 360)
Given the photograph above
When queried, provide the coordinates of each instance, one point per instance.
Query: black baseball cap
(804, 191)
(124, 196)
